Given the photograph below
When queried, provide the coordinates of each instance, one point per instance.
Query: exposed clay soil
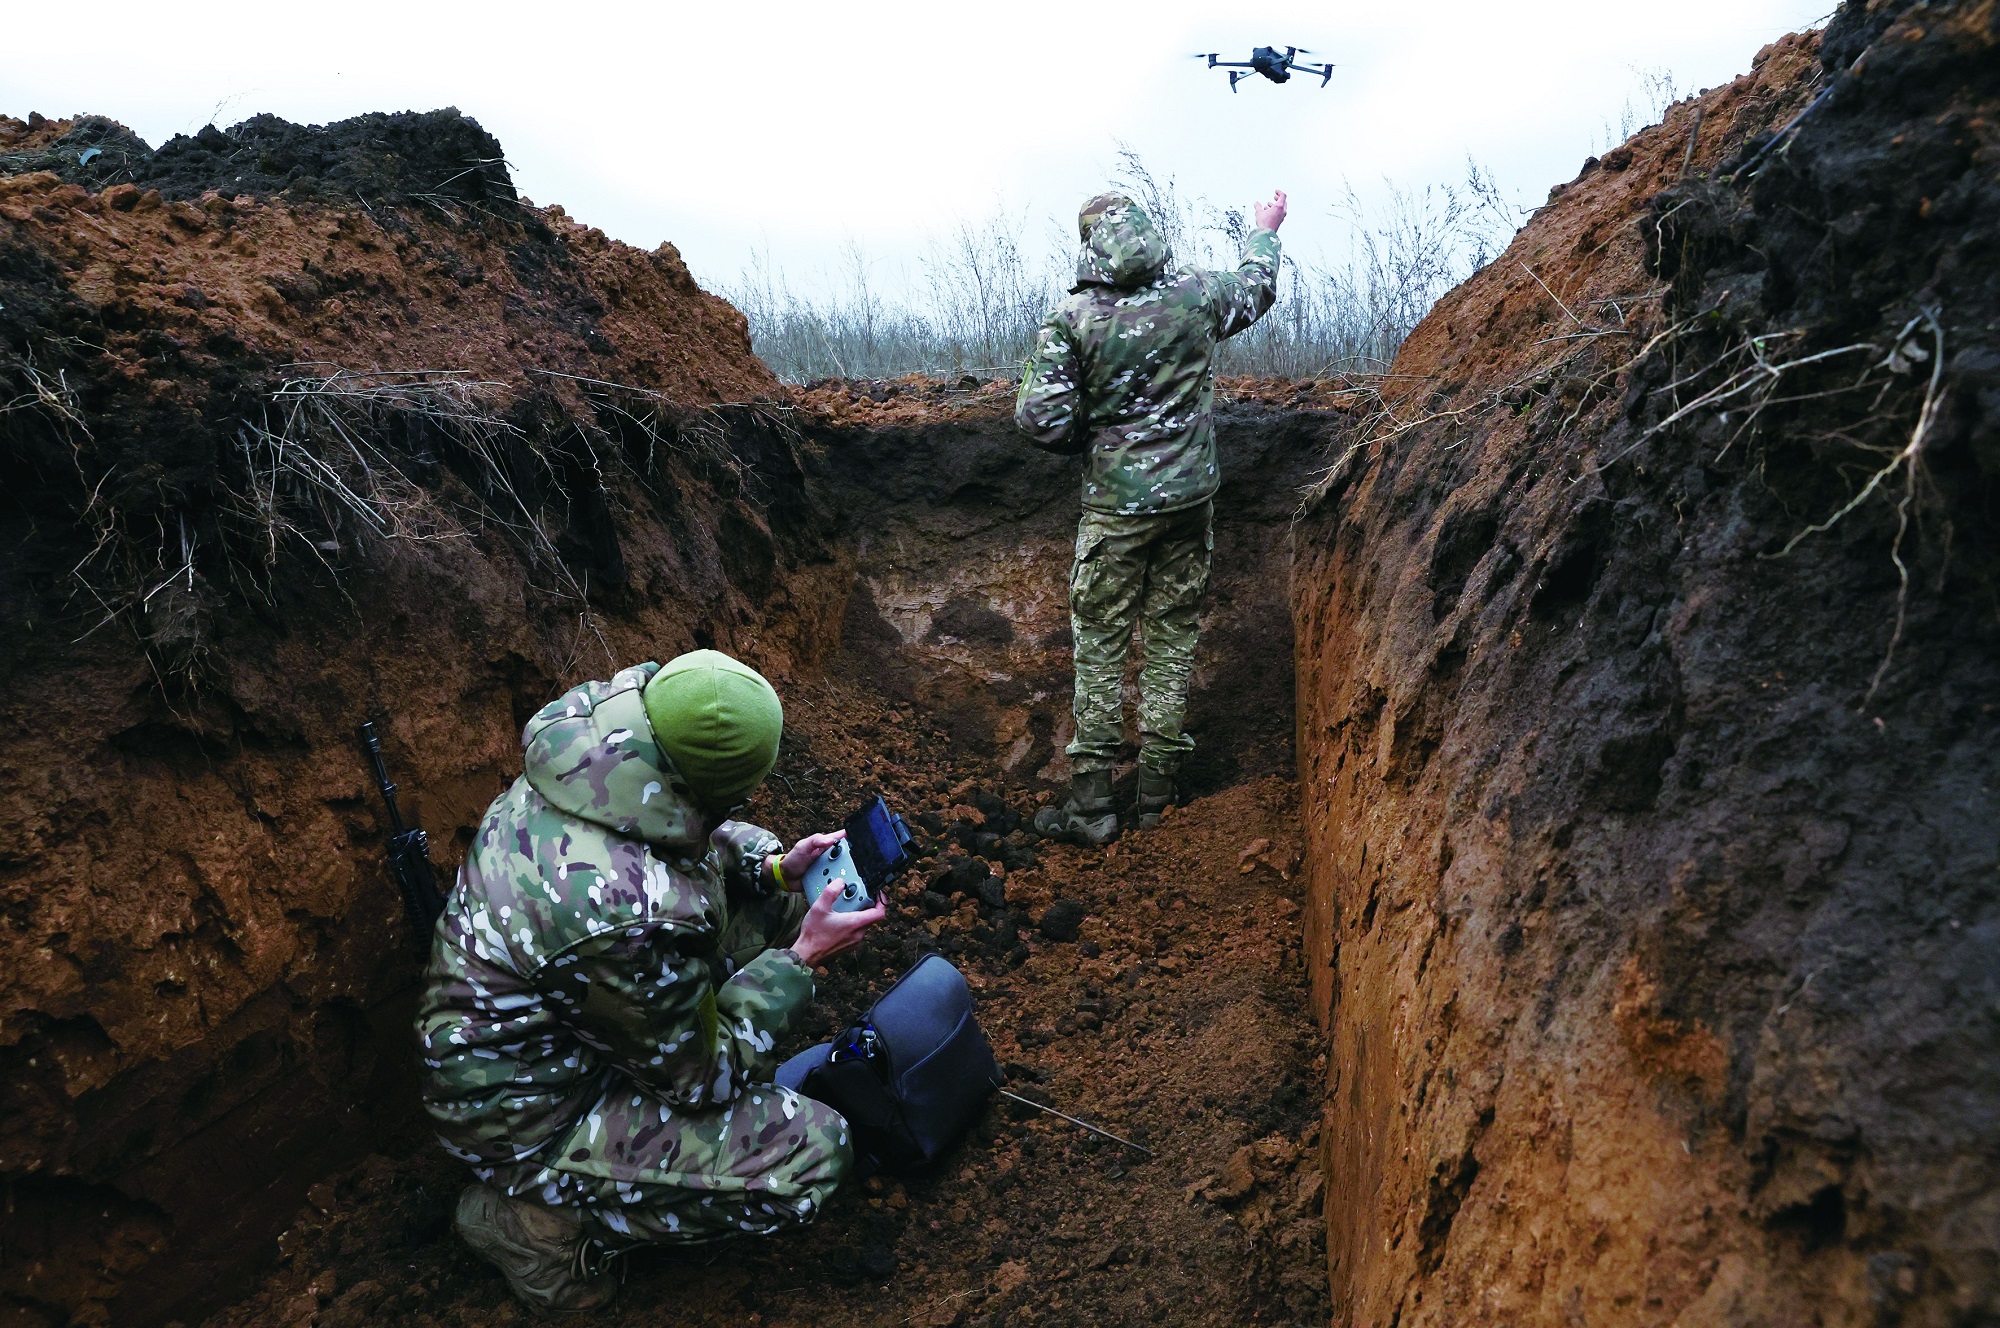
(1652, 835)
(202, 998)
(207, 983)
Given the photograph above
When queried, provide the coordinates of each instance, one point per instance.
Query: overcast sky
(797, 129)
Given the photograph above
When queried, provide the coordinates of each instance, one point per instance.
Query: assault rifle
(409, 850)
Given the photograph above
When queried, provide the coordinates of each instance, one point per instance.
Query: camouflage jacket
(1125, 367)
(584, 941)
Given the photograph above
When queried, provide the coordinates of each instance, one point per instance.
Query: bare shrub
(320, 469)
(981, 291)
(974, 309)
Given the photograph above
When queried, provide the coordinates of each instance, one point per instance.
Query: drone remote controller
(835, 870)
(860, 867)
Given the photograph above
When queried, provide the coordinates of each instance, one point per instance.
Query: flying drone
(1265, 60)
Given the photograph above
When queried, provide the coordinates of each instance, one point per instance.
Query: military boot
(547, 1254)
(1156, 794)
(1088, 819)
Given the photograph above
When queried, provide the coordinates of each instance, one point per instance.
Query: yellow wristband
(778, 872)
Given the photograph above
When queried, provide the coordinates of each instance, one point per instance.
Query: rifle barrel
(382, 781)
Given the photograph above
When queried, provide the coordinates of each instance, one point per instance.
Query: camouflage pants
(651, 1173)
(1150, 571)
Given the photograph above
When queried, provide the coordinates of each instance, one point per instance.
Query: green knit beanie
(718, 721)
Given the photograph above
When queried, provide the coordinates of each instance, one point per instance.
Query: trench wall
(205, 978)
(212, 976)
(1652, 938)
(962, 536)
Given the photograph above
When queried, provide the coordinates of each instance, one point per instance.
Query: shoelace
(594, 1258)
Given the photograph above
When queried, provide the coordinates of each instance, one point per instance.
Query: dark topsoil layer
(440, 158)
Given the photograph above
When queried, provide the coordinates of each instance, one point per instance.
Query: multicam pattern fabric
(602, 1002)
(1125, 367)
(649, 1173)
(1152, 571)
(1121, 245)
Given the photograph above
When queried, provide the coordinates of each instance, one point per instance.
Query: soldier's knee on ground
(823, 1156)
(808, 1173)
(804, 1158)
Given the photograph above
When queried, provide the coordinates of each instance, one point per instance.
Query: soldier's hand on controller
(1271, 215)
(825, 933)
(803, 855)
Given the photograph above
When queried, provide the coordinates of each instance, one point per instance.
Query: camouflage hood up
(1122, 249)
(591, 754)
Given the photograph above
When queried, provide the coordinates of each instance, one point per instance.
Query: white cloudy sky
(799, 128)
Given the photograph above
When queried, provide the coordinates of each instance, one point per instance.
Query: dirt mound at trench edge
(270, 466)
(1648, 720)
(441, 159)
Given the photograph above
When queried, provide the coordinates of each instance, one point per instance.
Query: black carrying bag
(912, 1075)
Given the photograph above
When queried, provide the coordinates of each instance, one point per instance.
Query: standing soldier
(609, 982)
(1124, 369)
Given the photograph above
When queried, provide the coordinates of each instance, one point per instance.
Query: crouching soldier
(1124, 370)
(610, 979)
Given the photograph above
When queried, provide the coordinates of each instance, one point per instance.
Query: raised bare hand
(1271, 215)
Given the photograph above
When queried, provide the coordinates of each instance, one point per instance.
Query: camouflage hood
(591, 754)
(1122, 248)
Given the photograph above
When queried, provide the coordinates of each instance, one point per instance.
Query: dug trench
(1604, 933)
(1156, 990)
(280, 465)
